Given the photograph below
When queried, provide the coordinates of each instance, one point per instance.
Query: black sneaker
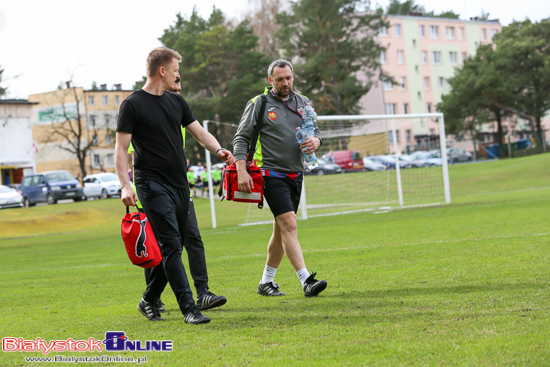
(270, 289)
(207, 299)
(160, 305)
(149, 310)
(194, 316)
(313, 287)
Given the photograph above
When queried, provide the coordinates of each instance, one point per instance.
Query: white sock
(268, 275)
(302, 274)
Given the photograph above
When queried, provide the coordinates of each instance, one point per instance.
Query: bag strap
(257, 128)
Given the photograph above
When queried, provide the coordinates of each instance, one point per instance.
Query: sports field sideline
(453, 285)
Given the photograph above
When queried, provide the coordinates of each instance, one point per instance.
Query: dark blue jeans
(167, 208)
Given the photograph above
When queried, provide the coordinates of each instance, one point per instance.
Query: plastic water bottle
(307, 130)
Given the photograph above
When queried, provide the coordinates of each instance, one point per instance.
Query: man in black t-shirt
(151, 118)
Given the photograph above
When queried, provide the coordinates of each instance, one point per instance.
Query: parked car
(412, 161)
(429, 158)
(371, 165)
(49, 187)
(110, 185)
(389, 161)
(10, 197)
(457, 154)
(92, 188)
(325, 167)
(349, 160)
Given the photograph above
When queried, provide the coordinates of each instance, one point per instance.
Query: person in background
(280, 158)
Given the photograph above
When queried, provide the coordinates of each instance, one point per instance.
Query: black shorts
(282, 194)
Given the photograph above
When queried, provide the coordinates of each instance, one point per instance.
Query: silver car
(456, 154)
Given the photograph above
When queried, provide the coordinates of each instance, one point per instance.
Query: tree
(330, 44)
(261, 17)
(2, 90)
(67, 125)
(476, 88)
(395, 7)
(524, 55)
(221, 70)
(510, 77)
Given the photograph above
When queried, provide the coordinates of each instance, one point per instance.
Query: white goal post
(331, 193)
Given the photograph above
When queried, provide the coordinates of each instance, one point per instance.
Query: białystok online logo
(115, 341)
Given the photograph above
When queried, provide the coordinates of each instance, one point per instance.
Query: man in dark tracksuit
(151, 118)
(279, 155)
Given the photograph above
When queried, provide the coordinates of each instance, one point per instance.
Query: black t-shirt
(155, 124)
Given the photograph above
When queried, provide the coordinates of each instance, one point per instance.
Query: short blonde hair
(158, 57)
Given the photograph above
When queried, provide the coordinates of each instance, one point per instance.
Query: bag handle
(257, 128)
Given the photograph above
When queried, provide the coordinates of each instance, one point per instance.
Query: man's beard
(282, 94)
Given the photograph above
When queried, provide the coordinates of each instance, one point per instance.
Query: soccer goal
(365, 165)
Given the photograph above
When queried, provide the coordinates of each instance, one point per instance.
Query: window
(106, 118)
(402, 83)
(450, 31)
(400, 57)
(110, 159)
(493, 32)
(429, 108)
(461, 33)
(421, 31)
(483, 35)
(434, 31)
(464, 56)
(92, 120)
(117, 100)
(383, 31)
(387, 83)
(408, 135)
(91, 100)
(108, 139)
(436, 57)
(441, 82)
(453, 57)
(426, 83)
(424, 56)
(390, 108)
(405, 108)
(432, 131)
(390, 136)
(96, 159)
(94, 140)
(383, 58)
(104, 100)
(398, 30)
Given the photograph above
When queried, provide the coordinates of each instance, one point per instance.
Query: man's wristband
(218, 151)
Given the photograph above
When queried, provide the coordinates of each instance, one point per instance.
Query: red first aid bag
(139, 239)
(230, 184)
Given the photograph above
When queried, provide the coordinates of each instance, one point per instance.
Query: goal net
(370, 163)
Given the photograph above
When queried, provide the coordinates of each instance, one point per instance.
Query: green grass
(465, 284)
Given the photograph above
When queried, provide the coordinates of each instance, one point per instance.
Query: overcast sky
(44, 42)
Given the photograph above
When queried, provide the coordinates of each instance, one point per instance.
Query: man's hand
(226, 156)
(128, 196)
(310, 145)
(245, 181)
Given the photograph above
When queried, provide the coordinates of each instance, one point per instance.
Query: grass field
(465, 284)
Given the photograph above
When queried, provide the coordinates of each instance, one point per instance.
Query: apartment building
(93, 117)
(421, 54)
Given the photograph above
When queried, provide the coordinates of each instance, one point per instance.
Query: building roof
(16, 101)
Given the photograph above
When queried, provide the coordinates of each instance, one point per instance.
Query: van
(49, 187)
(349, 160)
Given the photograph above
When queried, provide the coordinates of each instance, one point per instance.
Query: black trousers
(167, 208)
(195, 252)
